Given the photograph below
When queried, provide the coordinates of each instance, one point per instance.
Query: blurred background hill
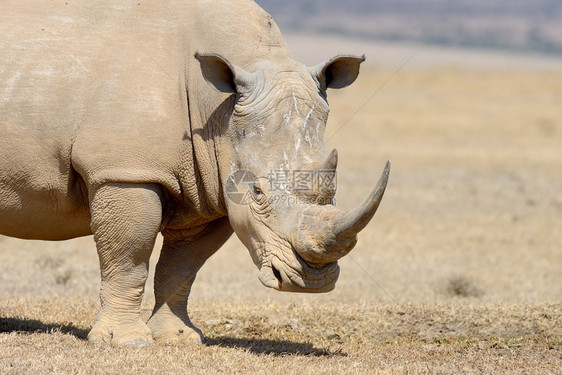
(515, 25)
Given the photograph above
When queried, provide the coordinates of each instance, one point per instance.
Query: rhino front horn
(327, 234)
(355, 220)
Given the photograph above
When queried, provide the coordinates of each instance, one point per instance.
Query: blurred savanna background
(459, 271)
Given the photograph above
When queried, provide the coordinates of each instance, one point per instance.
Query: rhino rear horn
(331, 162)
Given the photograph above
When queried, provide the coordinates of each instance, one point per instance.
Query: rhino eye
(257, 190)
(259, 186)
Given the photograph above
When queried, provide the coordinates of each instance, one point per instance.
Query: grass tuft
(461, 286)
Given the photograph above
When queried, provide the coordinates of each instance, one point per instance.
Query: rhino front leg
(175, 272)
(125, 220)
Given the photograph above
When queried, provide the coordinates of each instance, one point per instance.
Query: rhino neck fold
(202, 186)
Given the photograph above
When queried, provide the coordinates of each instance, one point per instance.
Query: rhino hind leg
(177, 267)
(125, 220)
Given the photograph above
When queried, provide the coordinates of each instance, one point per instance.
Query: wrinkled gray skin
(123, 119)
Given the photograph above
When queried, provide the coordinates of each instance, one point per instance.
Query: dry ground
(460, 271)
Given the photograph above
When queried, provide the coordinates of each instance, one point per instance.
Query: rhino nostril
(277, 275)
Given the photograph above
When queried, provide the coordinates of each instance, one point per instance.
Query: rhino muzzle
(300, 276)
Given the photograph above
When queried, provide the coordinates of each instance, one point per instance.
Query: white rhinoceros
(125, 119)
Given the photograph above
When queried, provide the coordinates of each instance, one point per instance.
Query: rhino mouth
(277, 275)
(298, 275)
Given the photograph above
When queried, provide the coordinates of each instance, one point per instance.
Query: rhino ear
(222, 75)
(339, 72)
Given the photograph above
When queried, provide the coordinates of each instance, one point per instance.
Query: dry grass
(458, 273)
(47, 336)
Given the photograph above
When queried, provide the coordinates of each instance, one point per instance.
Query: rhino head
(279, 179)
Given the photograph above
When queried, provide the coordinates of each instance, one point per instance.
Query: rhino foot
(175, 331)
(135, 335)
(185, 335)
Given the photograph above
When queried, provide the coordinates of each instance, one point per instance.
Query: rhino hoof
(132, 336)
(97, 341)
